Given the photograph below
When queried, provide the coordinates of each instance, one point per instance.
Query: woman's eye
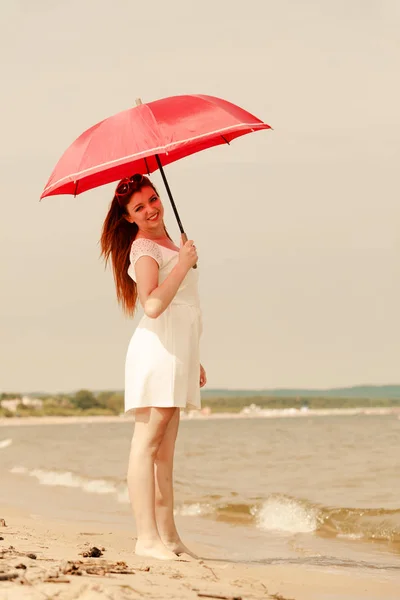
(139, 208)
(153, 199)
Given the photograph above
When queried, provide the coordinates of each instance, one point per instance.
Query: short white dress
(162, 365)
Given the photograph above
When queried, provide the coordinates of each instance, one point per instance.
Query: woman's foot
(179, 548)
(154, 550)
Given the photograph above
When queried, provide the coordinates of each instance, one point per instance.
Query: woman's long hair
(116, 240)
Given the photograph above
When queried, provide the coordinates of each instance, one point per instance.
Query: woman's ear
(129, 218)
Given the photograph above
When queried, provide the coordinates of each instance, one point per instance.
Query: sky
(297, 228)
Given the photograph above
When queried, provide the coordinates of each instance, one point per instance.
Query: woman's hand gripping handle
(188, 253)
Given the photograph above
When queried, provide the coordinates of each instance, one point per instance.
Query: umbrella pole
(183, 234)
(170, 195)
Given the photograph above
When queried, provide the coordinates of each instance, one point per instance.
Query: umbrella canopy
(142, 138)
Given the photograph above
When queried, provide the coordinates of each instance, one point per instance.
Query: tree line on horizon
(86, 402)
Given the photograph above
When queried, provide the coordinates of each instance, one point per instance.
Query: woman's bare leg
(164, 493)
(150, 427)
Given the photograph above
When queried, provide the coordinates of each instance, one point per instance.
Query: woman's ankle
(148, 540)
(169, 537)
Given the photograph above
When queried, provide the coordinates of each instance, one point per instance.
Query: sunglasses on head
(126, 185)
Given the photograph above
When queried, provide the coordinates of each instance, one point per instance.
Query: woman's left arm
(203, 376)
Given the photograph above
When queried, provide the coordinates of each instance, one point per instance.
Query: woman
(163, 371)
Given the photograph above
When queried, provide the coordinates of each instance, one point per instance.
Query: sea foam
(282, 513)
(71, 480)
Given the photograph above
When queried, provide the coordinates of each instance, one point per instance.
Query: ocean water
(314, 490)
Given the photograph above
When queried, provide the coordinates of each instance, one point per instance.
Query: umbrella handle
(184, 239)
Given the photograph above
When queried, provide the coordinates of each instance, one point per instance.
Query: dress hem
(188, 406)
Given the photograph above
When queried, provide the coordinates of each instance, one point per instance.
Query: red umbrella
(146, 137)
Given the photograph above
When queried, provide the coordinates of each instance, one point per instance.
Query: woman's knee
(165, 453)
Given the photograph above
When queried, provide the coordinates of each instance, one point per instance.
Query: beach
(277, 508)
(57, 546)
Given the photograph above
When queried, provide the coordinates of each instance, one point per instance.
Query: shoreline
(199, 416)
(46, 555)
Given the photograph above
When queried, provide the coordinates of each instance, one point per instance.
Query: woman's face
(146, 210)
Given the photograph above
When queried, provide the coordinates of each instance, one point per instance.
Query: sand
(58, 546)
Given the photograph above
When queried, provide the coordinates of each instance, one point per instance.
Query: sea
(322, 490)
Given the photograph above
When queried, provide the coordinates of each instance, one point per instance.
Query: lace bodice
(143, 247)
(166, 259)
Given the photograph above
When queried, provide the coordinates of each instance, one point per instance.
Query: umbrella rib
(159, 150)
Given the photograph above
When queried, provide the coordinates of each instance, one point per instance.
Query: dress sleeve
(143, 247)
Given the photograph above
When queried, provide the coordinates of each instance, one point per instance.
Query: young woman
(163, 371)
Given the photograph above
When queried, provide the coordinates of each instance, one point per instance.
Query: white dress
(162, 365)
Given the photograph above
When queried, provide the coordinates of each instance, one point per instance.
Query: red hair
(116, 240)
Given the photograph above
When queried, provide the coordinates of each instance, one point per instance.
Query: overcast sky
(297, 229)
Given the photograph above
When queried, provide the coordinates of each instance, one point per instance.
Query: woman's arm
(203, 376)
(153, 297)
(156, 298)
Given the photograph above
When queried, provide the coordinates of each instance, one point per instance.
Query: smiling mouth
(153, 217)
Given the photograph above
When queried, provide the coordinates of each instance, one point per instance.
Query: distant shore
(199, 416)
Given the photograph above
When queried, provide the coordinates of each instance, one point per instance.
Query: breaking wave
(282, 513)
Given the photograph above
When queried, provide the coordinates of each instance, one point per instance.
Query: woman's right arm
(156, 298)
